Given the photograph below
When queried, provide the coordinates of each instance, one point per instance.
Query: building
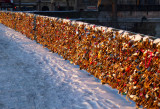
(61, 5)
(6, 5)
(25, 5)
(54, 5)
(138, 2)
(86, 5)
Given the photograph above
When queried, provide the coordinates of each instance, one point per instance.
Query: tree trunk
(114, 13)
(99, 2)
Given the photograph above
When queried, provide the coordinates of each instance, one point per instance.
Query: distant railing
(138, 2)
(127, 61)
(138, 7)
(131, 8)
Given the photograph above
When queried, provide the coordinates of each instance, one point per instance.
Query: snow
(145, 38)
(157, 40)
(121, 31)
(137, 37)
(31, 77)
(109, 29)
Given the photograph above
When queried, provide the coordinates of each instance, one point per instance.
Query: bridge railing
(127, 61)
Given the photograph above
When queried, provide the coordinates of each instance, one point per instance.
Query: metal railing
(130, 7)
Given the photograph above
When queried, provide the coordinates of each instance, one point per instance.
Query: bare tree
(99, 2)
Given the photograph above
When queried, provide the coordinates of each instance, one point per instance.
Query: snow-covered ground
(31, 77)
